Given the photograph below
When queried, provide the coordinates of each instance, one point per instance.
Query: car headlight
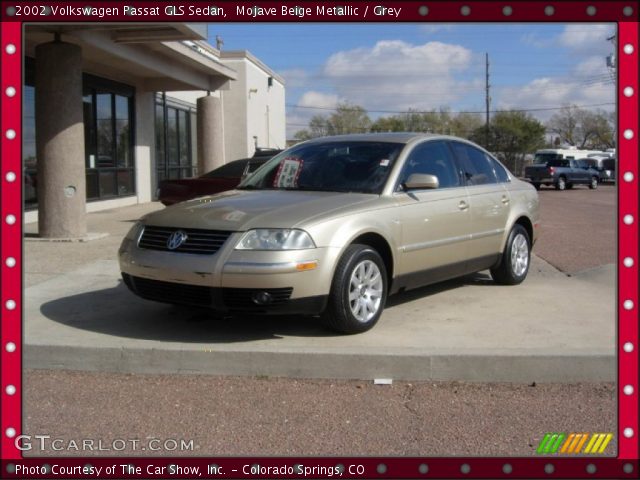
(275, 239)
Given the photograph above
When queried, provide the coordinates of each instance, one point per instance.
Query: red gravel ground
(259, 416)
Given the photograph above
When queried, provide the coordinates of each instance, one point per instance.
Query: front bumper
(229, 279)
(230, 300)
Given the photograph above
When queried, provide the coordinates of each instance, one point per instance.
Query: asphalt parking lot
(578, 227)
(231, 415)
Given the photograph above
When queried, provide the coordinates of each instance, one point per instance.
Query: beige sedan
(332, 226)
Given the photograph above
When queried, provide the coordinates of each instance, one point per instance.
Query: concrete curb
(517, 368)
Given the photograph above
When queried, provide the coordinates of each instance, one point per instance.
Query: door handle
(463, 205)
(505, 199)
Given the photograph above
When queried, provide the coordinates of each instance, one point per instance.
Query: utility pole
(487, 100)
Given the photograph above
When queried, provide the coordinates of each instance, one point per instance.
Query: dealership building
(109, 111)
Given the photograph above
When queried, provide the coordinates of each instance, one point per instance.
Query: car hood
(239, 210)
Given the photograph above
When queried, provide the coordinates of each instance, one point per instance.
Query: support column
(210, 134)
(60, 141)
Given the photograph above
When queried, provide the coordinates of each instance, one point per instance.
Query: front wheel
(561, 184)
(594, 183)
(514, 265)
(358, 291)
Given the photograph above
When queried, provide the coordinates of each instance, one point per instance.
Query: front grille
(169, 292)
(242, 298)
(202, 242)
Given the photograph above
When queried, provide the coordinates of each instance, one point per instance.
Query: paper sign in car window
(384, 162)
(288, 173)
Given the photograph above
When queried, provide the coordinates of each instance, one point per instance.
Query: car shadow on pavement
(117, 312)
(480, 278)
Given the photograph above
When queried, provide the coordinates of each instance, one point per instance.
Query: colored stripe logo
(574, 443)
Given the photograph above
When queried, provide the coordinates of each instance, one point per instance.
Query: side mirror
(420, 181)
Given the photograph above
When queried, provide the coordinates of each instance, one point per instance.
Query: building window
(108, 137)
(174, 132)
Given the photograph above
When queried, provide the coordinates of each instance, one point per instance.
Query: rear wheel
(561, 184)
(594, 183)
(514, 265)
(358, 291)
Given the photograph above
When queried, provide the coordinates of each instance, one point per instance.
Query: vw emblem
(176, 239)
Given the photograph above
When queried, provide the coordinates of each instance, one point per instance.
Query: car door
(435, 222)
(488, 202)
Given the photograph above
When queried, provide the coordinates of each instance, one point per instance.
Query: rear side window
(501, 172)
(432, 158)
(475, 165)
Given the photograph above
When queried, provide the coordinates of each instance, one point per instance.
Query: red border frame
(530, 467)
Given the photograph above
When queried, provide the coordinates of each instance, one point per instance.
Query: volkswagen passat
(332, 226)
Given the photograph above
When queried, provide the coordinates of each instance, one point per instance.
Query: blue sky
(391, 67)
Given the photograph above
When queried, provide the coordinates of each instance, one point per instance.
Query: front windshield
(361, 167)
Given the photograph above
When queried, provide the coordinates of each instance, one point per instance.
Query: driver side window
(432, 158)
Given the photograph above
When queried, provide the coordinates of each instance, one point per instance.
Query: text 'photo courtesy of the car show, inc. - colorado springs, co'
(318, 239)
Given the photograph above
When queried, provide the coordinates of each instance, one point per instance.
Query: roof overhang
(151, 56)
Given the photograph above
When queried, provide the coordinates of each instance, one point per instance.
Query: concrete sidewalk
(554, 328)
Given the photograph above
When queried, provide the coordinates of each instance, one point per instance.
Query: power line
(546, 109)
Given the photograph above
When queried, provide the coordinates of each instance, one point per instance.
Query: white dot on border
(628, 304)
(423, 468)
(10, 347)
(507, 11)
(591, 468)
(465, 10)
(628, 91)
(627, 468)
(10, 432)
(549, 10)
(628, 432)
(628, 347)
(10, 262)
(10, 134)
(507, 468)
(627, 11)
(465, 468)
(628, 219)
(10, 390)
(591, 10)
(627, 262)
(423, 10)
(10, 49)
(11, 219)
(628, 389)
(10, 91)
(628, 134)
(628, 176)
(10, 304)
(549, 468)
(10, 177)
(628, 49)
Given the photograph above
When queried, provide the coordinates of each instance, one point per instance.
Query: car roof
(393, 137)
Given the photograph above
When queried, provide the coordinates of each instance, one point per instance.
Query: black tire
(536, 186)
(339, 314)
(506, 273)
(569, 186)
(561, 184)
(593, 183)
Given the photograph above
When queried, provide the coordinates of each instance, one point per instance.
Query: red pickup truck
(226, 177)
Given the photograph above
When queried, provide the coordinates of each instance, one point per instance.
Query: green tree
(512, 134)
(348, 118)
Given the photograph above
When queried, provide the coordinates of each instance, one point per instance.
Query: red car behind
(226, 177)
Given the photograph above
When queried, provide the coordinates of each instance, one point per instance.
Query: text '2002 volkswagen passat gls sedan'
(332, 226)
